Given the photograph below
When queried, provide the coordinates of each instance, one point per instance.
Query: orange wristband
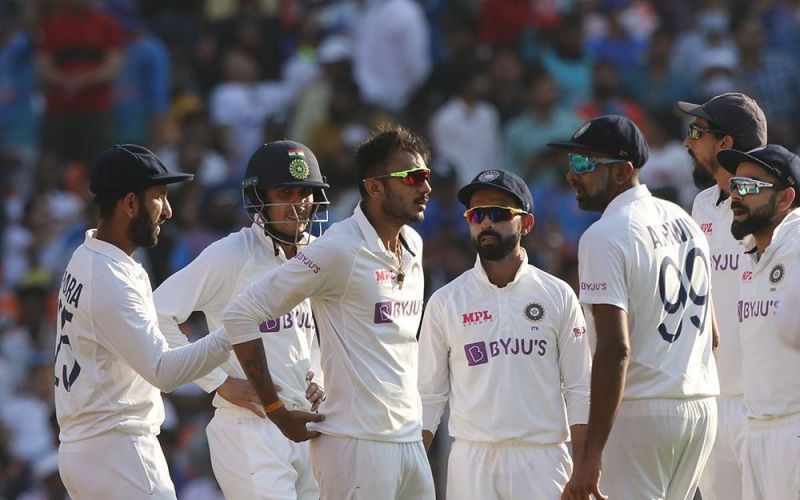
(275, 405)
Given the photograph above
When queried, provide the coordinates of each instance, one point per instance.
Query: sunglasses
(412, 177)
(695, 131)
(746, 185)
(581, 164)
(475, 215)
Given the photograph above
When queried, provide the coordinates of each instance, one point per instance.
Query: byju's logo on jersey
(479, 353)
(298, 319)
(725, 262)
(534, 312)
(756, 308)
(388, 311)
(476, 318)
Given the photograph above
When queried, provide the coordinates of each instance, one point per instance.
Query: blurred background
(203, 83)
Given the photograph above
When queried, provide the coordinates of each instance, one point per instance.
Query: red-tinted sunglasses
(412, 177)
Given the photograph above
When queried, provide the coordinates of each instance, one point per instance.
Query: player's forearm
(578, 439)
(175, 367)
(253, 359)
(175, 338)
(608, 383)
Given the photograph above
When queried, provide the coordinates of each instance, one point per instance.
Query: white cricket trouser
(252, 459)
(359, 469)
(115, 465)
(722, 477)
(657, 449)
(486, 471)
(771, 459)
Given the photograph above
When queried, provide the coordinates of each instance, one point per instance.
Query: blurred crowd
(204, 83)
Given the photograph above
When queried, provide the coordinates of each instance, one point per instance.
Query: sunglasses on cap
(695, 131)
(746, 185)
(411, 177)
(581, 164)
(475, 215)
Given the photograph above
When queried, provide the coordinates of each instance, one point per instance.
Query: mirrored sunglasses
(696, 131)
(581, 164)
(475, 215)
(746, 185)
(410, 177)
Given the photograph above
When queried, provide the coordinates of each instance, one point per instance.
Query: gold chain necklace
(398, 255)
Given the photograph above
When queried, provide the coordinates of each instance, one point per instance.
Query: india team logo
(298, 167)
(534, 312)
(489, 176)
(776, 275)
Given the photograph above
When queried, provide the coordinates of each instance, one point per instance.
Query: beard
(396, 208)
(498, 249)
(756, 221)
(702, 178)
(599, 199)
(143, 231)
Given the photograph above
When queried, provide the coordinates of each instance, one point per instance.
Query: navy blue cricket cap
(502, 180)
(129, 168)
(613, 135)
(733, 113)
(775, 159)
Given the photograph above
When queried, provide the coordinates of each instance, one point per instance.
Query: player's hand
(241, 393)
(584, 483)
(292, 423)
(314, 393)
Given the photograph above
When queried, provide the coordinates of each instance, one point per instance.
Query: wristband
(275, 405)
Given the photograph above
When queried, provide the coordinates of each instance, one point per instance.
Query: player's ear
(528, 221)
(623, 173)
(130, 204)
(374, 187)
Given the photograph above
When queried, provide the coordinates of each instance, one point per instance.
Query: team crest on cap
(489, 175)
(534, 312)
(582, 130)
(298, 167)
(776, 275)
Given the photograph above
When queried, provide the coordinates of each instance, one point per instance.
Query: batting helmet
(284, 164)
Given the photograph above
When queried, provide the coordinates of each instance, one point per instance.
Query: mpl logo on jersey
(756, 308)
(385, 276)
(476, 318)
(388, 311)
(294, 319)
(747, 275)
(479, 353)
(707, 227)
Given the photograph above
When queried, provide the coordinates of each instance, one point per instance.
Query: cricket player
(765, 204)
(727, 121)
(364, 279)
(645, 287)
(112, 361)
(283, 191)
(505, 344)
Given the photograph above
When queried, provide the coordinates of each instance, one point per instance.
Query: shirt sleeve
(575, 360)
(434, 365)
(202, 285)
(124, 324)
(601, 267)
(319, 270)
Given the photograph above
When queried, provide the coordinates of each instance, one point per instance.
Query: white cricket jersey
(367, 326)
(221, 272)
(112, 361)
(505, 358)
(728, 263)
(649, 258)
(769, 325)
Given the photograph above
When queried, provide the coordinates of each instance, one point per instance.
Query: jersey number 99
(696, 301)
